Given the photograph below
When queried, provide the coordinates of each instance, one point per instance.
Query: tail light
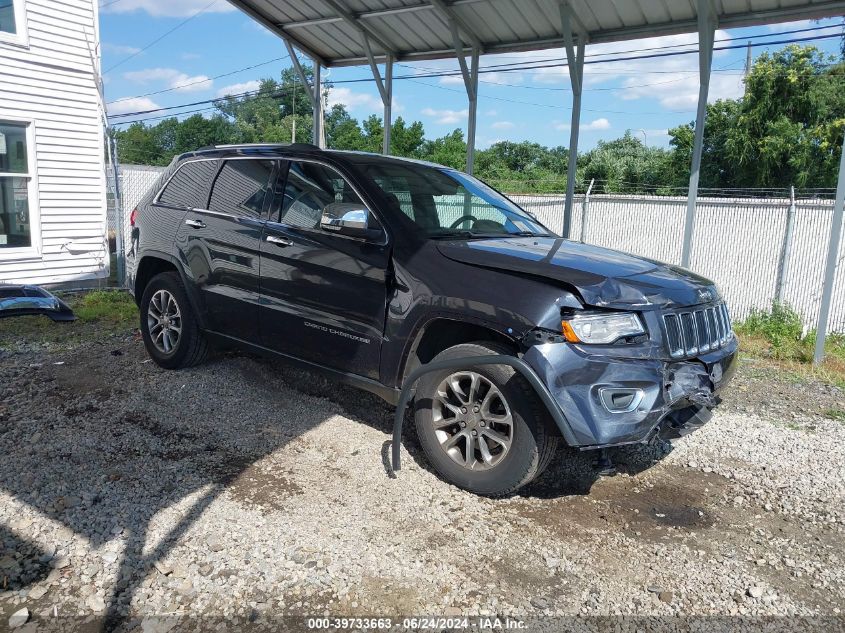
(132, 216)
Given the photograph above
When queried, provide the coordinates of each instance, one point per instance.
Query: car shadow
(170, 445)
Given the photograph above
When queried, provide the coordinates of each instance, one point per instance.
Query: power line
(161, 37)
(417, 77)
(276, 59)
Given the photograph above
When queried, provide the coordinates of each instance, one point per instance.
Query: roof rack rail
(244, 145)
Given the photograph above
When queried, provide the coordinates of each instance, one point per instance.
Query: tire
(187, 349)
(500, 472)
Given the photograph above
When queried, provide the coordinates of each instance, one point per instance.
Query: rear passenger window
(240, 187)
(188, 188)
(309, 188)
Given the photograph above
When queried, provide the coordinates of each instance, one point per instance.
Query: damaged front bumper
(18, 300)
(611, 400)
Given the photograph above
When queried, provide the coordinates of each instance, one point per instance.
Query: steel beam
(472, 122)
(706, 35)
(247, 7)
(448, 13)
(575, 64)
(832, 259)
(297, 67)
(359, 25)
(319, 138)
(388, 105)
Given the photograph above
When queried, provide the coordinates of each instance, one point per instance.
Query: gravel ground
(238, 490)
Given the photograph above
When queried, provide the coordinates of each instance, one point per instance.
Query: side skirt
(388, 394)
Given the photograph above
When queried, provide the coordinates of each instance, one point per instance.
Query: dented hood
(601, 276)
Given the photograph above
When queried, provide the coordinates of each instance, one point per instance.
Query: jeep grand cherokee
(366, 267)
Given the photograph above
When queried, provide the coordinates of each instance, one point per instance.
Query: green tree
(786, 130)
(450, 150)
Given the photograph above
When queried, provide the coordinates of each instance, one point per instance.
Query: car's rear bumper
(670, 398)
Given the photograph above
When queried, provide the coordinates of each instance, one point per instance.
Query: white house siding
(52, 83)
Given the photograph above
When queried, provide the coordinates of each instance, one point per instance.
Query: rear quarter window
(188, 188)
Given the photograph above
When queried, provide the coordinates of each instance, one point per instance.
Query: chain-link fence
(738, 242)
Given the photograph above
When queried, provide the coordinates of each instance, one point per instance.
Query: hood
(601, 276)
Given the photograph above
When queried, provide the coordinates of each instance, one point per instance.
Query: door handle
(195, 224)
(281, 241)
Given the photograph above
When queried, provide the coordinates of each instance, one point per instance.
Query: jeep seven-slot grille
(698, 330)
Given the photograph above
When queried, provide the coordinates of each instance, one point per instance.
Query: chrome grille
(698, 330)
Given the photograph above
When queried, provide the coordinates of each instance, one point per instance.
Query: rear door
(221, 241)
(323, 295)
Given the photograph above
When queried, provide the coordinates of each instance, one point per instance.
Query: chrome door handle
(195, 224)
(281, 241)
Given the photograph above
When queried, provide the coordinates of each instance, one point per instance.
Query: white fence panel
(737, 242)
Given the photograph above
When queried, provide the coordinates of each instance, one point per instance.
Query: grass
(834, 414)
(112, 306)
(103, 311)
(777, 336)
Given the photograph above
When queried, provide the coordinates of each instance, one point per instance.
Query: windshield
(445, 203)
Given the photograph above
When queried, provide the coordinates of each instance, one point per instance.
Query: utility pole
(747, 60)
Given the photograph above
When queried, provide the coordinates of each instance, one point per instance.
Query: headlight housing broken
(601, 328)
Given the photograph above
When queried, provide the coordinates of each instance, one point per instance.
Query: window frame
(282, 183)
(34, 250)
(157, 199)
(21, 35)
(268, 194)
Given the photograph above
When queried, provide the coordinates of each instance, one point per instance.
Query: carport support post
(706, 33)
(385, 88)
(318, 106)
(472, 93)
(575, 64)
(388, 104)
(314, 93)
(832, 257)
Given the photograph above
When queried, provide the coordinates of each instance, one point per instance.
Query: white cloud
(446, 117)
(168, 8)
(354, 100)
(508, 79)
(120, 49)
(172, 78)
(502, 125)
(788, 26)
(235, 89)
(592, 126)
(134, 104)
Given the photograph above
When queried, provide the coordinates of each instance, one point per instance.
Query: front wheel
(483, 428)
(168, 327)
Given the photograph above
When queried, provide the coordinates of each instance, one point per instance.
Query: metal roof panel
(330, 30)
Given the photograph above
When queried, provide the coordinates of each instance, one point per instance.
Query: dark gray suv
(366, 267)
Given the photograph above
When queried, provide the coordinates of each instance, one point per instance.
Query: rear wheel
(483, 428)
(168, 326)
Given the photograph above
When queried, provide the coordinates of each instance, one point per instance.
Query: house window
(7, 17)
(15, 225)
(12, 22)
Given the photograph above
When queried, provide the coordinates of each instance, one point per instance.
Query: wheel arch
(153, 264)
(442, 332)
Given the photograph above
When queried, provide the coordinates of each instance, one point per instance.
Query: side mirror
(348, 218)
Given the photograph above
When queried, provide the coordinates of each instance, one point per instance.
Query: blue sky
(645, 96)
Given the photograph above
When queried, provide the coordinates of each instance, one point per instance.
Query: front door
(323, 296)
(221, 246)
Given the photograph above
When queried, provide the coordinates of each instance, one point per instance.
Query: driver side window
(310, 187)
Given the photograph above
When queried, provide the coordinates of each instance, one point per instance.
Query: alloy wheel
(164, 321)
(472, 421)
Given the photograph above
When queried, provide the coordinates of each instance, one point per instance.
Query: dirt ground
(246, 489)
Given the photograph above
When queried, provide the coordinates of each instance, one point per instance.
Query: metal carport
(372, 32)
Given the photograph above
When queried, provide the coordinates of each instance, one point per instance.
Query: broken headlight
(601, 327)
